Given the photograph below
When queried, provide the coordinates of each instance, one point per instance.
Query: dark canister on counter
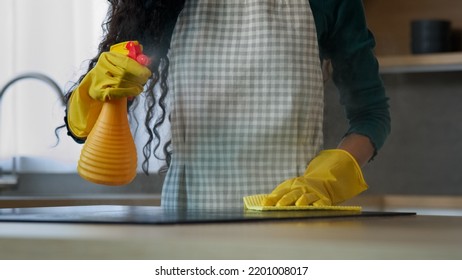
(430, 36)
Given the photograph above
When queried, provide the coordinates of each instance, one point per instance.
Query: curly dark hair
(151, 23)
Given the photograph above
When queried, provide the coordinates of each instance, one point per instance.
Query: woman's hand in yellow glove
(115, 75)
(331, 178)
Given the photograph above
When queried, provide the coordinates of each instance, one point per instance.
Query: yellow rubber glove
(115, 75)
(330, 178)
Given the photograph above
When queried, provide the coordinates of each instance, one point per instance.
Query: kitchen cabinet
(422, 155)
(390, 22)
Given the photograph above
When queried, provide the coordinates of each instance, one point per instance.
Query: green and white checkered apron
(247, 100)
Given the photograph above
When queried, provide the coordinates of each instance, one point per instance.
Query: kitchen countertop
(22, 201)
(393, 237)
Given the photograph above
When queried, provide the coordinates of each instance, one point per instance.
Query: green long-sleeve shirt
(344, 39)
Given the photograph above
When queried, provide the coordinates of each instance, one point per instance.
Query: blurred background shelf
(390, 22)
(408, 63)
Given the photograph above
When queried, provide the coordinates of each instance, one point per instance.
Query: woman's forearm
(359, 146)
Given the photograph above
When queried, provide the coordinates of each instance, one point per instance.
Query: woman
(246, 88)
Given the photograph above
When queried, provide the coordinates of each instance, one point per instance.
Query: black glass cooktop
(112, 214)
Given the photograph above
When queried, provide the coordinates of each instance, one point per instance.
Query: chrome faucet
(8, 180)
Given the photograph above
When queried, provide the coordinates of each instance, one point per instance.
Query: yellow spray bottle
(109, 156)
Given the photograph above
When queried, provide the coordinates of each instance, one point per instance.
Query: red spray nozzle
(136, 52)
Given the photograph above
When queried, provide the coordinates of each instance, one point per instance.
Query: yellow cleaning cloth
(253, 202)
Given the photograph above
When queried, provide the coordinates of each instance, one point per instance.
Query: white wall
(53, 37)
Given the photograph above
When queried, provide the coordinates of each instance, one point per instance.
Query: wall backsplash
(423, 154)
